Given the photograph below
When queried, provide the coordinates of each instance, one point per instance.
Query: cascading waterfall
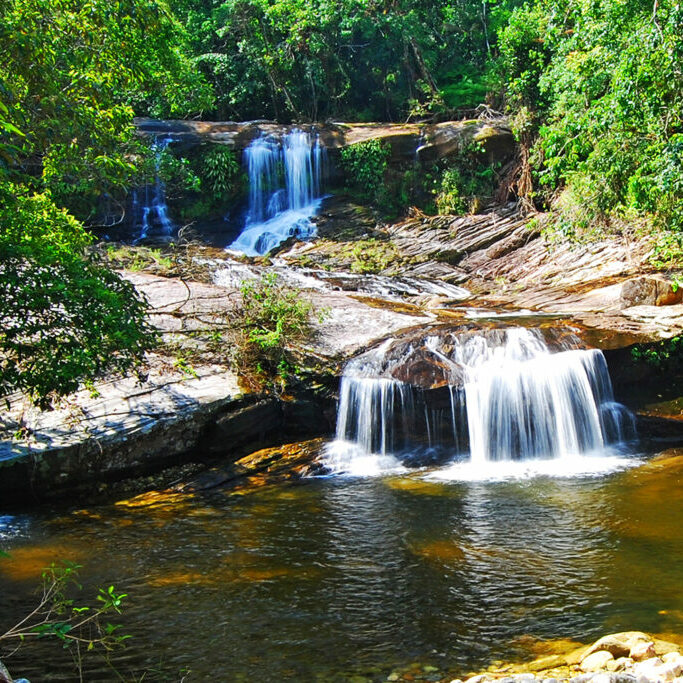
(285, 190)
(504, 395)
(150, 210)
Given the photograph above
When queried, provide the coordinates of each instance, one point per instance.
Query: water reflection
(340, 577)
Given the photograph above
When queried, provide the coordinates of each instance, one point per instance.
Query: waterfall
(150, 212)
(484, 397)
(285, 190)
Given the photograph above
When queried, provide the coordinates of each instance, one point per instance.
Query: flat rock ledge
(406, 140)
(127, 428)
(626, 657)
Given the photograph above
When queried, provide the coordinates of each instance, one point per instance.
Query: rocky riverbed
(626, 657)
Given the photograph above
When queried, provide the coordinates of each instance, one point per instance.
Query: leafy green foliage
(364, 166)
(666, 355)
(64, 317)
(79, 628)
(269, 321)
(72, 74)
(602, 88)
(357, 59)
(220, 170)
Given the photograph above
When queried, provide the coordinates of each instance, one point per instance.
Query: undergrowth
(269, 321)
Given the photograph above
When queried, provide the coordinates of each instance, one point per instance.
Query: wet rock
(423, 369)
(250, 424)
(596, 661)
(435, 141)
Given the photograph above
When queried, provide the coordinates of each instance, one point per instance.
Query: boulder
(650, 668)
(596, 661)
(617, 644)
(642, 650)
(621, 664)
(650, 291)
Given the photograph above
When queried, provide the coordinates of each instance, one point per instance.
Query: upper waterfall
(481, 396)
(285, 190)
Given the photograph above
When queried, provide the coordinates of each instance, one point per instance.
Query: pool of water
(345, 578)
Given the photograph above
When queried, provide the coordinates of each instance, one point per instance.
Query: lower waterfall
(479, 397)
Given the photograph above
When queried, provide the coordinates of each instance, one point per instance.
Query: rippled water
(340, 577)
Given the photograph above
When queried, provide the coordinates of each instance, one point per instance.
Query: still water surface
(341, 577)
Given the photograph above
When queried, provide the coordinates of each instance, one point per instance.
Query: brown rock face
(650, 291)
(423, 369)
(431, 142)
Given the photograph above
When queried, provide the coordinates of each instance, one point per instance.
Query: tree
(72, 76)
(64, 318)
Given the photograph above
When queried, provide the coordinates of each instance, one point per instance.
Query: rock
(642, 650)
(663, 647)
(671, 657)
(648, 667)
(575, 656)
(618, 644)
(434, 140)
(622, 663)
(480, 678)
(602, 678)
(549, 662)
(583, 678)
(650, 291)
(596, 661)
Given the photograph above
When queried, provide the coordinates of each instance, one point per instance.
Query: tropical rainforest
(593, 88)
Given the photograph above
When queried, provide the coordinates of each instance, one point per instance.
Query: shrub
(270, 319)
(364, 165)
(219, 171)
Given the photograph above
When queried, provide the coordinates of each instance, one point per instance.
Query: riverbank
(626, 657)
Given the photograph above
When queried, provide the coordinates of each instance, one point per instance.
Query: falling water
(504, 395)
(285, 190)
(151, 211)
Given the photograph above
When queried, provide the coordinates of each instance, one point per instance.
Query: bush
(270, 319)
(219, 171)
(364, 165)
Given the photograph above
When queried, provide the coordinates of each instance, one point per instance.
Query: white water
(151, 210)
(513, 406)
(285, 191)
